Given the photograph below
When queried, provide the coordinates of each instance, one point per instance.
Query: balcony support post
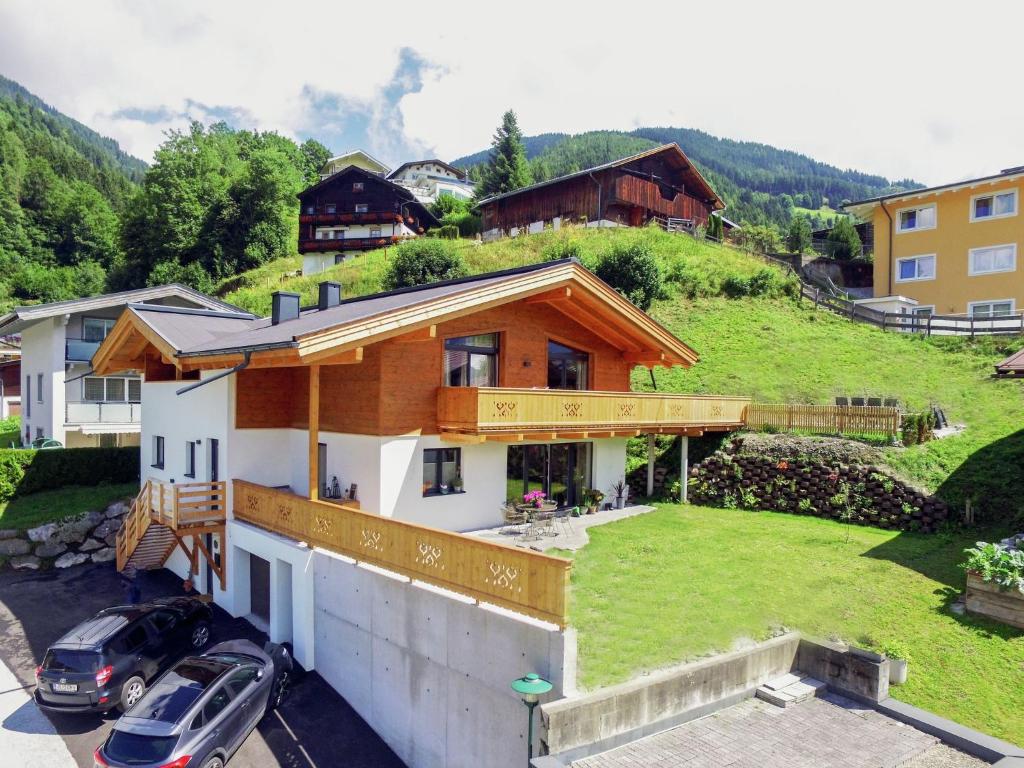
(650, 464)
(314, 432)
(684, 466)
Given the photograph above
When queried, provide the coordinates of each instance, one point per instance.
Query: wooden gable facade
(354, 197)
(661, 183)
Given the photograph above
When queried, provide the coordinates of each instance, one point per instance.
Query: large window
(568, 368)
(983, 310)
(915, 219)
(561, 470)
(158, 452)
(915, 268)
(997, 258)
(998, 205)
(442, 471)
(471, 361)
(96, 328)
(111, 389)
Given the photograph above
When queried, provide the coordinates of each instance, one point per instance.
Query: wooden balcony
(324, 219)
(555, 413)
(347, 244)
(518, 579)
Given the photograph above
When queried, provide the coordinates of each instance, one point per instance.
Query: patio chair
(516, 521)
(563, 517)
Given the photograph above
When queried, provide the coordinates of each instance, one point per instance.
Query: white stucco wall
(42, 351)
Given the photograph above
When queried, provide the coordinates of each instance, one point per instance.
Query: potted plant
(620, 489)
(592, 498)
(898, 660)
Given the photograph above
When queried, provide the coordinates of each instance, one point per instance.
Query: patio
(559, 532)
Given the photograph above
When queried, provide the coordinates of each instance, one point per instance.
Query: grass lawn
(38, 508)
(679, 582)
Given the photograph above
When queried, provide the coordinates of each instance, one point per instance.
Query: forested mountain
(760, 184)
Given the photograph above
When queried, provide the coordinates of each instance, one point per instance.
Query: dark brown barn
(660, 183)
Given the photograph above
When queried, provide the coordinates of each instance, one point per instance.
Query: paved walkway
(27, 738)
(570, 533)
(827, 732)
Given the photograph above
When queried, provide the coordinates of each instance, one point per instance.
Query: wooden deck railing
(134, 527)
(826, 419)
(518, 579)
(480, 410)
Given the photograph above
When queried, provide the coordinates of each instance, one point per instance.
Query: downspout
(600, 212)
(891, 233)
(241, 366)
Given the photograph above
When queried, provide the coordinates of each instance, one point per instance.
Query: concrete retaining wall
(430, 670)
(844, 671)
(613, 716)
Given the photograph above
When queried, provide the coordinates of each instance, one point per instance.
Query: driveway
(315, 728)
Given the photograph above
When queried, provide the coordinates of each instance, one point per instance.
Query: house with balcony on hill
(383, 427)
(431, 179)
(357, 158)
(58, 395)
(660, 184)
(352, 211)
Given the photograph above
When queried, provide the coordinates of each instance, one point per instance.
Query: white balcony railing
(103, 413)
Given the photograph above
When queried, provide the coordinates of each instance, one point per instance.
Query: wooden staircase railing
(181, 507)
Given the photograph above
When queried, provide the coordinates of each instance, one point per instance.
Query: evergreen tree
(798, 239)
(507, 169)
(843, 240)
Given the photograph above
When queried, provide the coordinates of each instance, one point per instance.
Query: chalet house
(659, 184)
(352, 211)
(357, 158)
(60, 397)
(431, 179)
(380, 427)
(950, 249)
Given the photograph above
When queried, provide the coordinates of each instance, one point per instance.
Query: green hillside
(760, 184)
(773, 349)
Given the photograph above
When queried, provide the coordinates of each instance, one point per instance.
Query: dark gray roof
(21, 317)
(195, 332)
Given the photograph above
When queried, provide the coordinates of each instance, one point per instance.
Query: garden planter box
(987, 599)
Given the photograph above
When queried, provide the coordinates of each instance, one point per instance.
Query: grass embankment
(683, 581)
(26, 512)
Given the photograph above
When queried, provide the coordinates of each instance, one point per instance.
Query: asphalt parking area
(315, 728)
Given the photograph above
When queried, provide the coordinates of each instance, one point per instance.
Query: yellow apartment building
(951, 248)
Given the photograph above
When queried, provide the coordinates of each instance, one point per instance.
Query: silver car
(201, 710)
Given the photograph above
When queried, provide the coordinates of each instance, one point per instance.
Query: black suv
(107, 661)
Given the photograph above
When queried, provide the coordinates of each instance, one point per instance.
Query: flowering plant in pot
(592, 498)
(536, 498)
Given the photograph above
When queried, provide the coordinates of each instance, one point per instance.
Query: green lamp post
(531, 687)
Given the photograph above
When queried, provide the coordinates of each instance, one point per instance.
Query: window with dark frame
(471, 361)
(442, 467)
(158, 452)
(357, 186)
(39, 388)
(362, 207)
(568, 368)
(190, 459)
(331, 208)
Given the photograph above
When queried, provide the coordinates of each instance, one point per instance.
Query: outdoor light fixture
(531, 687)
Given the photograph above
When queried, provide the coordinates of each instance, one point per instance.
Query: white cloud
(903, 89)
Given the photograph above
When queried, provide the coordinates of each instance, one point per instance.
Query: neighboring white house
(357, 158)
(431, 179)
(59, 397)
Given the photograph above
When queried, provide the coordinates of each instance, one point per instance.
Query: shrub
(995, 563)
(425, 260)
(632, 271)
(562, 249)
(842, 240)
(445, 232)
(25, 471)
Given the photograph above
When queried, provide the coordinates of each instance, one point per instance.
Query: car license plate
(64, 687)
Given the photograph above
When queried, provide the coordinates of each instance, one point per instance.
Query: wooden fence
(519, 579)
(826, 419)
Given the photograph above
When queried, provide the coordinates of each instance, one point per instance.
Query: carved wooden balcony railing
(347, 244)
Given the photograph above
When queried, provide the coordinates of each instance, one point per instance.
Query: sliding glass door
(561, 470)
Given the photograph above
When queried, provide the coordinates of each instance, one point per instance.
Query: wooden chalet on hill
(355, 210)
(660, 183)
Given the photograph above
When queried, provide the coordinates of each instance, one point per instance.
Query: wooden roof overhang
(569, 288)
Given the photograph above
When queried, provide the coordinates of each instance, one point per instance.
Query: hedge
(26, 471)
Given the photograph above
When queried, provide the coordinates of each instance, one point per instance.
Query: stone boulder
(50, 549)
(8, 533)
(70, 559)
(42, 533)
(71, 530)
(110, 539)
(117, 509)
(106, 528)
(10, 547)
(104, 555)
(24, 563)
(90, 545)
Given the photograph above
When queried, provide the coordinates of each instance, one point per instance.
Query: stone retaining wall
(88, 537)
(860, 494)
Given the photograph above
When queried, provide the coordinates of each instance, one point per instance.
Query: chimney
(284, 307)
(330, 295)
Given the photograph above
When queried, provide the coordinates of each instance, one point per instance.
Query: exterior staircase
(162, 516)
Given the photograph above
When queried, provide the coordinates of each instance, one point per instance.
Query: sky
(920, 90)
